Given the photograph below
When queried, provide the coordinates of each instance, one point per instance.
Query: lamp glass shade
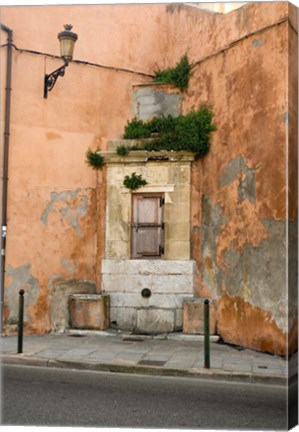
(67, 48)
(67, 41)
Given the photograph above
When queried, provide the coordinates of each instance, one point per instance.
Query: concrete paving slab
(156, 357)
(269, 371)
(138, 348)
(51, 354)
(76, 353)
(215, 363)
(128, 357)
(100, 356)
(241, 365)
(179, 360)
(160, 356)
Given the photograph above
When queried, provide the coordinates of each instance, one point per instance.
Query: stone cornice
(144, 156)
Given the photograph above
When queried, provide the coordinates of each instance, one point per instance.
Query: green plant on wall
(94, 159)
(122, 150)
(190, 132)
(134, 181)
(138, 129)
(178, 76)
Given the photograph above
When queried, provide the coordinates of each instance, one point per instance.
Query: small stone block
(193, 316)
(89, 312)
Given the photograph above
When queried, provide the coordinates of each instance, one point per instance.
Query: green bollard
(21, 321)
(207, 332)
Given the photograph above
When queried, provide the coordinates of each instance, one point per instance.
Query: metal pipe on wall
(5, 161)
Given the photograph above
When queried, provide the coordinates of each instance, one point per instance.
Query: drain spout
(5, 160)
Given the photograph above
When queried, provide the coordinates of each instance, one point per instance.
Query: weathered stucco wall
(292, 167)
(241, 218)
(244, 185)
(52, 206)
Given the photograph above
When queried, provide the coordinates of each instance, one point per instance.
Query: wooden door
(147, 225)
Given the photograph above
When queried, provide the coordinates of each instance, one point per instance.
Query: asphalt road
(57, 397)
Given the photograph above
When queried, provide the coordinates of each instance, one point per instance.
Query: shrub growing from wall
(190, 132)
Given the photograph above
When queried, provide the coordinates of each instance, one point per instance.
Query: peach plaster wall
(52, 204)
(238, 205)
(241, 203)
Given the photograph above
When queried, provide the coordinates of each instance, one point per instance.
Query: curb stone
(212, 374)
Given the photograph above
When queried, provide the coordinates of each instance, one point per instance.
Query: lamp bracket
(50, 79)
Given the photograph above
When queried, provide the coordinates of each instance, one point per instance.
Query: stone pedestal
(61, 293)
(193, 316)
(168, 283)
(89, 311)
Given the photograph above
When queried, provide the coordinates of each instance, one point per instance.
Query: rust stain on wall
(240, 323)
(39, 313)
(51, 136)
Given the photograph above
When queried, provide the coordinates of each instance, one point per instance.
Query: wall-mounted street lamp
(67, 41)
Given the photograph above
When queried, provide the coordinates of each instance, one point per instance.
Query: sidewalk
(172, 354)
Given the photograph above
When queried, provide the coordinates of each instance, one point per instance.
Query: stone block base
(89, 311)
(167, 282)
(61, 293)
(193, 316)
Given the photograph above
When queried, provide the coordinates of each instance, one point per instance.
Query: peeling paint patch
(71, 205)
(245, 256)
(292, 262)
(257, 43)
(68, 265)
(52, 279)
(212, 221)
(20, 279)
(258, 274)
(247, 186)
(245, 227)
(239, 322)
(286, 118)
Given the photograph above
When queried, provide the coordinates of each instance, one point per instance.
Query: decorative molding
(151, 189)
(144, 156)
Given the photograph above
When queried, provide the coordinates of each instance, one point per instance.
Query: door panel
(147, 225)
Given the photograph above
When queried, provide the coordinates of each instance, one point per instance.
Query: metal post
(21, 321)
(207, 332)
